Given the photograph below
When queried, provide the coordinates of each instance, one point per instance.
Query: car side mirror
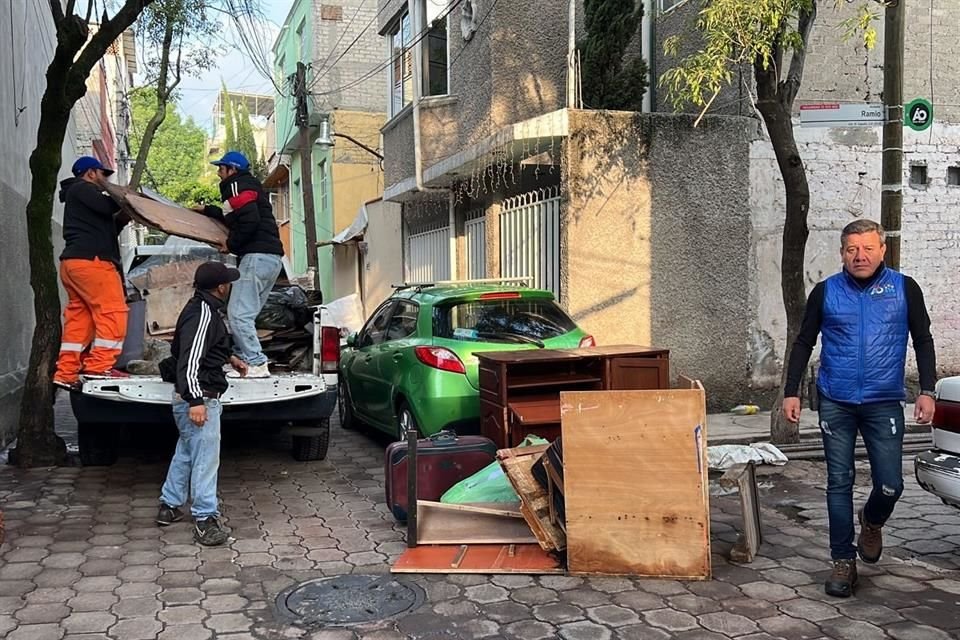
(352, 339)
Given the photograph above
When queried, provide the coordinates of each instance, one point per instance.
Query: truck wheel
(312, 447)
(345, 408)
(98, 444)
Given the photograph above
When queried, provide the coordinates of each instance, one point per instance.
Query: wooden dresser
(520, 390)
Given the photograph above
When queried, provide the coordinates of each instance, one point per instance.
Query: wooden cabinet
(520, 390)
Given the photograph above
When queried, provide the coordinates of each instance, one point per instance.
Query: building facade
(339, 55)
(21, 90)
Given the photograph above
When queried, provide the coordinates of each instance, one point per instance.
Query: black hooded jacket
(253, 229)
(90, 227)
(200, 348)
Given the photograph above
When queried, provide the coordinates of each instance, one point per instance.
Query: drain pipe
(417, 63)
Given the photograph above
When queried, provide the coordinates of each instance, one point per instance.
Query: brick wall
(843, 168)
(348, 18)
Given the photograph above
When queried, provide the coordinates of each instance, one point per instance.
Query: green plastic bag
(490, 484)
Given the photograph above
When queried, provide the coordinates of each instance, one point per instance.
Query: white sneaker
(258, 371)
(253, 371)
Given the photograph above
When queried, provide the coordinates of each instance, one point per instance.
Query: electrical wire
(386, 64)
(344, 32)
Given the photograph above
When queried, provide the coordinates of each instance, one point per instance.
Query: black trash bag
(287, 307)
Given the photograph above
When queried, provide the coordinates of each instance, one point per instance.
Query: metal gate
(530, 238)
(475, 230)
(428, 255)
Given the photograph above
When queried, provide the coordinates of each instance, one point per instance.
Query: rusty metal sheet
(176, 221)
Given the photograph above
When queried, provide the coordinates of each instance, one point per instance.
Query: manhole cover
(347, 600)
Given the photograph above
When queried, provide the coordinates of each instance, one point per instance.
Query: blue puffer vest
(864, 339)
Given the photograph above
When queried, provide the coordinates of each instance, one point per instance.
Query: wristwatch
(932, 394)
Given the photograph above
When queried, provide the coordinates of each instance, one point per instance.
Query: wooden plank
(635, 479)
(452, 526)
(478, 558)
(164, 306)
(534, 502)
(743, 477)
(505, 509)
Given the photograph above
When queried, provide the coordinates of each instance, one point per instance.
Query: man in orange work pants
(95, 319)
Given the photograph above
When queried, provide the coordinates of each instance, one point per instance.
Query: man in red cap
(95, 318)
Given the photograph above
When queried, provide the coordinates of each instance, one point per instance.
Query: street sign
(835, 114)
(918, 115)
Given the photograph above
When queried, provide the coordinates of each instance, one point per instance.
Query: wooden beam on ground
(478, 558)
(743, 477)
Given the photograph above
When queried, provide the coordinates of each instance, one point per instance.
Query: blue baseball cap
(85, 163)
(233, 159)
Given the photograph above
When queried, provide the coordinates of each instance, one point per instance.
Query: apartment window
(918, 175)
(435, 49)
(281, 64)
(953, 176)
(302, 44)
(401, 69)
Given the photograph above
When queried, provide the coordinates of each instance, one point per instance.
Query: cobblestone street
(84, 559)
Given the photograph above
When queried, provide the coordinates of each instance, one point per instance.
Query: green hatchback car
(414, 362)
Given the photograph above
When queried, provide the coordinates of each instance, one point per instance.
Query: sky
(198, 94)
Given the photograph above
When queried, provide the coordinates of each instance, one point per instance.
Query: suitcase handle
(444, 438)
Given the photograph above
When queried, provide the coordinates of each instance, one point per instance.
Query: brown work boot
(842, 580)
(870, 541)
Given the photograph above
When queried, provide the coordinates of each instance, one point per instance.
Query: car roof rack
(523, 281)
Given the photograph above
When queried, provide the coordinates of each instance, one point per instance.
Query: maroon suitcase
(443, 460)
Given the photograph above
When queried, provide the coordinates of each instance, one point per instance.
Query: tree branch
(109, 31)
(57, 12)
(69, 10)
(89, 11)
(791, 85)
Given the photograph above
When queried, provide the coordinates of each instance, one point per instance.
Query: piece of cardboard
(174, 220)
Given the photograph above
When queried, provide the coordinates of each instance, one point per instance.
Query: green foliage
(177, 152)
(612, 79)
(228, 118)
(745, 32)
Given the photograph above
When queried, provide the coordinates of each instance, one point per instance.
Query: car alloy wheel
(406, 422)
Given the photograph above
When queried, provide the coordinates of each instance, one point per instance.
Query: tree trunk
(163, 96)
(37, 443)
(777, 118)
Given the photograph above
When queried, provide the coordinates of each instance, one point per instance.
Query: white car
(938, 470)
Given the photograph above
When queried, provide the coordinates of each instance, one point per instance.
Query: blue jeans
(195, 462)
(881, 426)
(258, 274)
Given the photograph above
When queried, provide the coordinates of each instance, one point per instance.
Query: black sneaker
(209, 532)
(168, 515)
(75, 386)
(842, 580)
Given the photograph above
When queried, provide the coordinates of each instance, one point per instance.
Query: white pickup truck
(299, 401)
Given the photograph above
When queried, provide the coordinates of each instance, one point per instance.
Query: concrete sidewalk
(727, 428)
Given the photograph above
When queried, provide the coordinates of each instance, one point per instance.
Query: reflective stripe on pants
(96, 315)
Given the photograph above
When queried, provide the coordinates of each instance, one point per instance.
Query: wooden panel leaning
(636, 484)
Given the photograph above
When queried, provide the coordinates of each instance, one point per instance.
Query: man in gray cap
(201, 346)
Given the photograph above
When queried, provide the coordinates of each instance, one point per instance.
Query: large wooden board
(635, 480)
(176, 221)
(164, 306)
(478, 558)
(439, 523)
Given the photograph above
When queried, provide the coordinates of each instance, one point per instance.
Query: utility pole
(891, 197)
(306, 170)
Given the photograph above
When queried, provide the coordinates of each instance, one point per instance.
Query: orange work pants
(95, 318)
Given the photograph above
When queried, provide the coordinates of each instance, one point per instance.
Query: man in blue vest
(863, 315)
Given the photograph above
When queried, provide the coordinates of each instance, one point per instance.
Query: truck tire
(98, 444)
(312, 447)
